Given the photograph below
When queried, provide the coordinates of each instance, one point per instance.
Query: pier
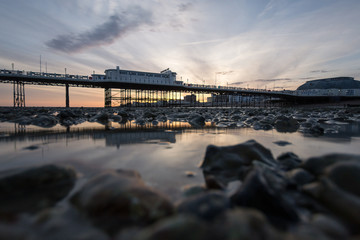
(143, 89)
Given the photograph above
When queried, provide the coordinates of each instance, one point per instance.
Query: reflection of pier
(116, 134)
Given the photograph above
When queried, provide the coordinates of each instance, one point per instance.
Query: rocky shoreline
(305, 120)
(247, 193)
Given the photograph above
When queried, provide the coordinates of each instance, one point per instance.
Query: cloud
(321, 71)
(272, 80)
(236, 83)
(224, 73)
(183, 7)
(115, 27)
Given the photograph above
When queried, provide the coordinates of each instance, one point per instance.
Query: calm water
(162, 154)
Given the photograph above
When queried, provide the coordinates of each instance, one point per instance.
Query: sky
(273, 44)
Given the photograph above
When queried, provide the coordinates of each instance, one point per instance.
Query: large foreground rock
(338, 190)
(247, 224)
(316, 165)
(206, 206)
(266, 192)
(232, 157)
(114, 200)
(33, 189)
(176, 228)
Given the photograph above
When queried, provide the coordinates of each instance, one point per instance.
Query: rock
(61, 224)
(345, 205)
(102, 117)
(197, 121)
(13, 232)
(31, 148)
(286, 124)
(116, 199)
(190, 173)
(316, 165)
(330, 226)
(162, 119)
(191, 190)
(64, 114)
(346, 175)
(116, 118)
(148, 114)
(306, 231)
(236, 117)
(123, 114)
(44, 121)
(289, 161)
(140, 121)
(33, 189)
(282, 143)
(23, 120)
(233, 157)
(315, 130)
(176, 116)
(217, 182)
(268, 197)
(68, 117)
(300, 176)
(262, 126)
(244, 223)
(176, 228)
(206, 206)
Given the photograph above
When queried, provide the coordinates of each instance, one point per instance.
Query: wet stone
(340, 202)
(255, 188)
(116, 118)
(232, 157)
(114, 200)
(289, 161)
(179, 227)
(13, 232)
(31, 148)
(317, 165)
(44, 121)
(197, 121)
(66, 114)
(244, 223)
(191, 190)
(102, 117)
(58, 224)
(331, 227)
(282, 143)
(206, 206)
(190, 173)
(300, 176)
(286, 124)
(346, 175)
(33, 189)
(148, 114)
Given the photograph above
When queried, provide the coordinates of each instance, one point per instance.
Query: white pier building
(119, 75)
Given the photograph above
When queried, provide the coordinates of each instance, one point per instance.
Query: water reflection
(116, 134)
(161, 153)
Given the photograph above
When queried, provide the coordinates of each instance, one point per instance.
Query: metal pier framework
(134, 93)
(19, 93)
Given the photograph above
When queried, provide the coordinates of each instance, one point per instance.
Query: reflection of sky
(264, 42)
(160, 155)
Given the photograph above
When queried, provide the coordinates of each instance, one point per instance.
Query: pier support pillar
(19, 94)
(67, 100)
(107, 97)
